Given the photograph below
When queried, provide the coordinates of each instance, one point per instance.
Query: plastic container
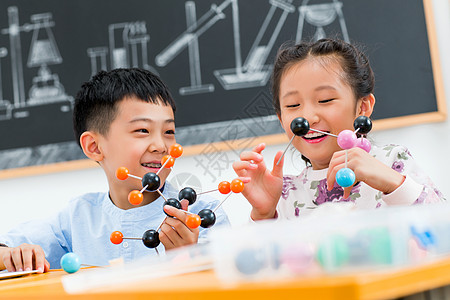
(346, 242)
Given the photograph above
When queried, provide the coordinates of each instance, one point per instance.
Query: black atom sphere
(151, 238)
(300, 126)
(172, 202)
(152, 181)
(207, 217)
(363, 123)
(188, 194)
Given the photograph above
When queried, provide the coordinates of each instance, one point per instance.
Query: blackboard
(215, 56)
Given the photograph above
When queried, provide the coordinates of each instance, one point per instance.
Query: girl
(329, 83)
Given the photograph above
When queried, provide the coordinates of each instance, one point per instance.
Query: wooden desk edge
(389, 283)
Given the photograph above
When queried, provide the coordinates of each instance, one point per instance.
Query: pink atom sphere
(346, 139)
(364, 144)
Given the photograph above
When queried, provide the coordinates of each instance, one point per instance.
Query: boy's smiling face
(137, 139)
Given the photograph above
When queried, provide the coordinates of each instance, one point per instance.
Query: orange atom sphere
(175, 150)
(237, 185)
(122, 173)
(116, 237)
(224, 187)
(193, 221)
(135, 197)
(169, 163)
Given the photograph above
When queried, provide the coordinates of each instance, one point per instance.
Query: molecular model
(346, 139)
(151, 183)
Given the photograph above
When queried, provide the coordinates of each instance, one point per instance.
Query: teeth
(314, 134)
(152, 165)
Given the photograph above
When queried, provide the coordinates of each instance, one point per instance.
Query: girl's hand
(25, 257)
(264, 187)
(174, 231)
(367, 169)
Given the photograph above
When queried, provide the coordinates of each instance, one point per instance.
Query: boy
(124, 117)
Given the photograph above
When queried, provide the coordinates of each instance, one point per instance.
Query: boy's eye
(292, 105)
(326, 101)
(170, 131)
(143, 130)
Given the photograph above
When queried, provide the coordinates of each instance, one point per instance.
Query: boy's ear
(89, 143)
(366, 105)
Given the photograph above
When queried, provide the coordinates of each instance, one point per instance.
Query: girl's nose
(312, 116)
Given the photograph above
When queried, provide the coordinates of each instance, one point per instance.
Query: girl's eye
(292, 105)
(170, 131)
(326, 101)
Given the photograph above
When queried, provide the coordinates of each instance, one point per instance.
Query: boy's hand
(264, 187)
(174, 231)
(367, 169)
(25, 257)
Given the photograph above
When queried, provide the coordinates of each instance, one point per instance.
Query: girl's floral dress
(303, 193)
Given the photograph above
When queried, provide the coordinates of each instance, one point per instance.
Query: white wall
(40, 196)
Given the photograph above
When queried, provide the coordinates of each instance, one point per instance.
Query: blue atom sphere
(70, 262)
(345, 177)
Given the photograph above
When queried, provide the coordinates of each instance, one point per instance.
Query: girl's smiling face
(316, 90)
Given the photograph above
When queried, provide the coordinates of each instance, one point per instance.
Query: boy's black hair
(96, 103)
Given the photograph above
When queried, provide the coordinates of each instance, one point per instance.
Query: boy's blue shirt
(86, 223)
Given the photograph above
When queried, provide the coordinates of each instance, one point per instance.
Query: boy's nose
(157, 145)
